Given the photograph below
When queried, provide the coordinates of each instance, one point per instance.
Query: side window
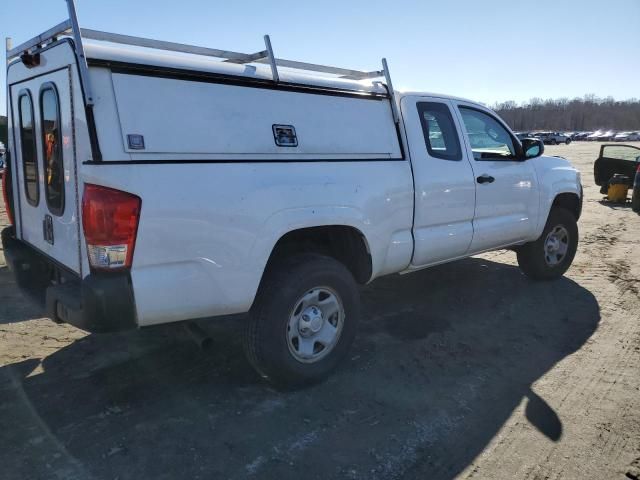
(51, 148)
(28, 145)
(622, 152)
(439, 131)
(488, 138)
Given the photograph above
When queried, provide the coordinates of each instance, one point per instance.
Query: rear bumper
(100, 302)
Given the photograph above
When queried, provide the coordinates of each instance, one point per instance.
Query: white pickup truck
(149, 183)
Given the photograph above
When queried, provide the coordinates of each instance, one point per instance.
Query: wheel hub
(556, 245)
(553, 245)
(311, 321)
(315, 324)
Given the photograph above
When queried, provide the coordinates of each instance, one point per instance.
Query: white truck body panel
(444, 194)
(218, 193)
(506, 211)
(201, 250)
(231, 121)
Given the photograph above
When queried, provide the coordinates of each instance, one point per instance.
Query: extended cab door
(443, 179)
(507, 194)
(45, 170)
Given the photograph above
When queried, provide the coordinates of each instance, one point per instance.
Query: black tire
(567, 141)
(284, 284)
(531, 256)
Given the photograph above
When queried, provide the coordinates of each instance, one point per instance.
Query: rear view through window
(28, 146)
(53, 167)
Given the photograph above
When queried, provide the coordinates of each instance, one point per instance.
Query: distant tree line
(578, 114)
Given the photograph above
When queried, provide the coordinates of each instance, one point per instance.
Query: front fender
(555, 175)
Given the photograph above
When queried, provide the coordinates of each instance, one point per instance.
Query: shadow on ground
(13, 307)
(443, 358)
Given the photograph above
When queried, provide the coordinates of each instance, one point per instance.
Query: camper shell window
(51, 148)
(28, 148)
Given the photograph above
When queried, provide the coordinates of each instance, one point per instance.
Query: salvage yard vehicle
(606, 136)
(554, 138)
(594, 136)
(615, 159)
(151, 184)
(627, 137)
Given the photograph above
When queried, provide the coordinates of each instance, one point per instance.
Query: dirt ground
(467, 370)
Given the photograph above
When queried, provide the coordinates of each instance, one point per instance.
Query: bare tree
(587, 113)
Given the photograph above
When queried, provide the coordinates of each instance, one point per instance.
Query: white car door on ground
(507, 193)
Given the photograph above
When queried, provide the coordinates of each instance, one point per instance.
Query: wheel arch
(345, 243)
(570, 201)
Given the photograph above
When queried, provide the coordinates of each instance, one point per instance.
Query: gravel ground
(465, 370)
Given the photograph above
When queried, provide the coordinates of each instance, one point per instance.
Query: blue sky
(489, 50)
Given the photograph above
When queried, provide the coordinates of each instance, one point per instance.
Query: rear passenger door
(444, 186)
(507, 193)
(45, 170)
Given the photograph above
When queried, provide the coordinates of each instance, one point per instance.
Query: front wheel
(303, 321)
(551, 255)
(567, 141)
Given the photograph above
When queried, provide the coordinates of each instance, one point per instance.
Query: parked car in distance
(623, 159)
(581, 136)
(594, 136)
(1, 164)
(627, 137)
(554, 138)
(606, 136)
(523, 135)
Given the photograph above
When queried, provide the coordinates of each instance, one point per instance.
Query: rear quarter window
(439, 131)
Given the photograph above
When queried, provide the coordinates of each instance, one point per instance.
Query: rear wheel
(551, 255)
(303, 321)
(567, 141)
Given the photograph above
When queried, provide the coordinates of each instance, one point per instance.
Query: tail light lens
(110, 221)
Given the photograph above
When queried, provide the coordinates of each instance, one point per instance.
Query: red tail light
(5, 195)
(110, 221)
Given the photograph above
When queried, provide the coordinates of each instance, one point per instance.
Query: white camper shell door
(45, 170)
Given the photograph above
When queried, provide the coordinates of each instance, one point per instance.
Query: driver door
(507, 194)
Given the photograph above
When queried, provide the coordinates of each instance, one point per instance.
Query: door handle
(485, 179)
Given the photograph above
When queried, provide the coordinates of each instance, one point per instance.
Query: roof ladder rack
(70, 27)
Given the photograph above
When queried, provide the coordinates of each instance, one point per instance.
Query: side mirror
(532, 147)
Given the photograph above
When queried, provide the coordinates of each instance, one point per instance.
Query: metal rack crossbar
(70, 27)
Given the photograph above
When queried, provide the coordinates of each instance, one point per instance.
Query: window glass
(621, 152)
(28, 146)
(488, 138)
(51, 149)
(440, 133)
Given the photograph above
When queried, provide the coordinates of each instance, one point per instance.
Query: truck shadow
(443, 358)
(13, 308)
